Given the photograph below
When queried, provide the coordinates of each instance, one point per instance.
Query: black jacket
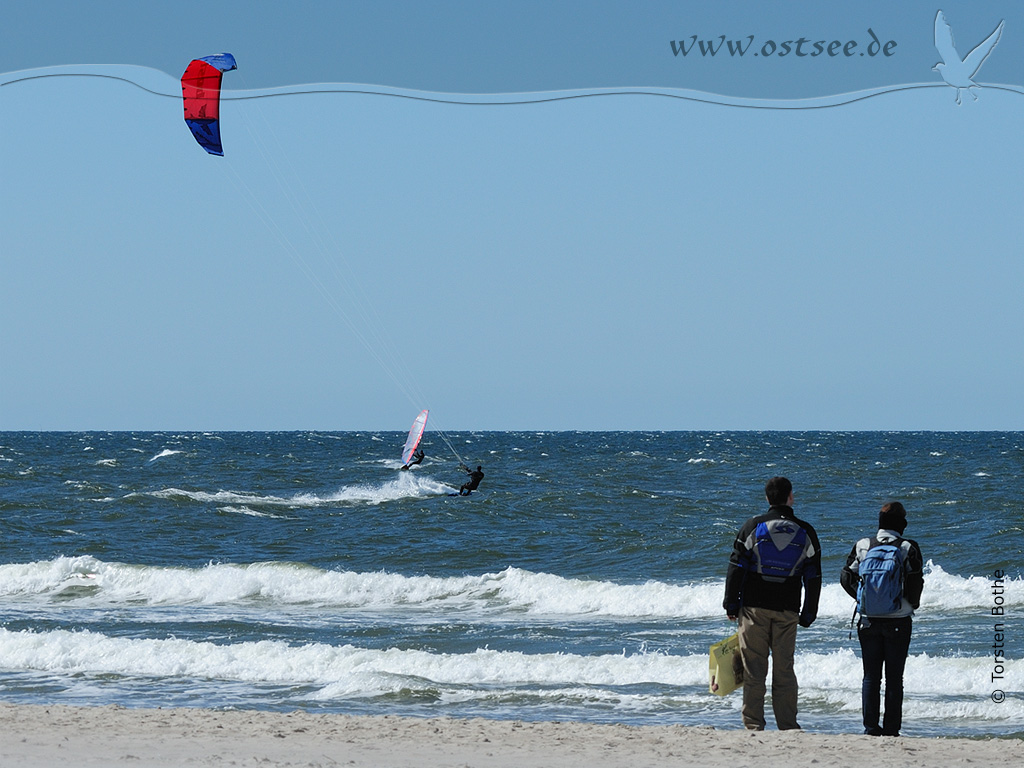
(744, 586)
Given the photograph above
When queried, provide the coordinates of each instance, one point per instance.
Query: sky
(520, 215)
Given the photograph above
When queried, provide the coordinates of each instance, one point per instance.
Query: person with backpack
(774, 557)
(885, 575)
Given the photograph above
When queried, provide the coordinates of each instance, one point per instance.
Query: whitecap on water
(165, 452)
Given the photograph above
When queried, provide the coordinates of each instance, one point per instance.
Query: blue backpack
(780, 549)
(880, 591)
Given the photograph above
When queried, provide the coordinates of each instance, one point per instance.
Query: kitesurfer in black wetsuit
(474, 480)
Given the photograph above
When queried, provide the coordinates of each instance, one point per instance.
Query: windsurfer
(416, 459)
(473, 483)
(410, 454)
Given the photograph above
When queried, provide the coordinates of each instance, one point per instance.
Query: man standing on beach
(773, 557)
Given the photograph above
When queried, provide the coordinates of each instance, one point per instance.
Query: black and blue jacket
(774, 557)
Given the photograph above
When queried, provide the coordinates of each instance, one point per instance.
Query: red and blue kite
(200, 91)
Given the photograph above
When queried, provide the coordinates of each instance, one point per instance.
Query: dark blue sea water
(584, 580)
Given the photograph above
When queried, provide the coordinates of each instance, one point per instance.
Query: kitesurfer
(473, 483)
(416, 459)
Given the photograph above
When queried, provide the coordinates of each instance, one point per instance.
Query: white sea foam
(243, 510)
(936, 687)
(406, 486)
(349, 669)
(509, 590)
(164, 453)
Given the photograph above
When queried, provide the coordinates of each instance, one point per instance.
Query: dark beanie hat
(893, 517)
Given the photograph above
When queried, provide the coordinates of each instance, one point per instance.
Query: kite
(200, 92)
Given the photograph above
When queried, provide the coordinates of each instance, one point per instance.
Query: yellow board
(725, 666)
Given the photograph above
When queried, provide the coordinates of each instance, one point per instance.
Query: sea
(582, 581)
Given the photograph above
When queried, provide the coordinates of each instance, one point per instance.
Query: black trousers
(884, 643)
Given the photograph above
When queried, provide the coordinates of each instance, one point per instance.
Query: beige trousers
(761, 631)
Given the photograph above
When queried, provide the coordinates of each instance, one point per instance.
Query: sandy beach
(45, 736)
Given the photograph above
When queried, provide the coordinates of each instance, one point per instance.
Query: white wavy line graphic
(161, 84)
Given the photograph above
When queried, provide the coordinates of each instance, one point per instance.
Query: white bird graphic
(958, 72)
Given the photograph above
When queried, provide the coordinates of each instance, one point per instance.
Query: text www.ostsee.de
(800, 48)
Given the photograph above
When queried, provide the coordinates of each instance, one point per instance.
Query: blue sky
(620, 260)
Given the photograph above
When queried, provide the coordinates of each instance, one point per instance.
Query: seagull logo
(957, 72)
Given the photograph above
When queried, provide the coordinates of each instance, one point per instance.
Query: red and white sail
(415, 435)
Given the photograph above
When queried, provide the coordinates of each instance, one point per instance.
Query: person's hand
(805, 622)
